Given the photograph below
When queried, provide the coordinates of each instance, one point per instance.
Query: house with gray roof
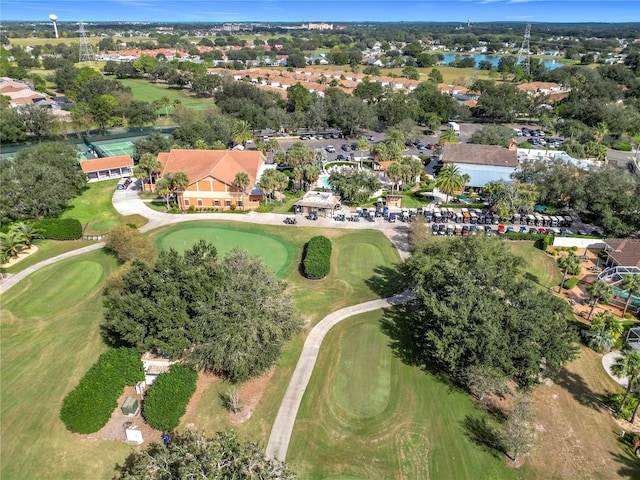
(483, 163)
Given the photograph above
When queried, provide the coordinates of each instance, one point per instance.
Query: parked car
(345, 147)
(330, 149)
(341, 158)
(523, 229)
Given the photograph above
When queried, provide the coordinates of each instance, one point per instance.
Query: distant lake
(494, 59)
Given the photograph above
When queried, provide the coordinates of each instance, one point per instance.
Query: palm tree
(449, 136)
(272, 145)
(466, 178)
(298, 176)
(177, 103)
(148, 167)
(449, 179)
(395, 139)
(163, 188)
(601, 131)
(242, 180)
(242, 132)
(363, 144)
(628, 366)
(631, 283)
(28, 231)
(165, 102)
(311, 174)
(11, 243)
(599, 292)
(394, 172)
(569, 264)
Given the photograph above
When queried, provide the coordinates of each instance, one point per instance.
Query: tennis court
(113, 148)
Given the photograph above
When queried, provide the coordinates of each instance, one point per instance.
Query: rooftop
(490, 155)
(98, 164)
(318, 200)
(624, 251)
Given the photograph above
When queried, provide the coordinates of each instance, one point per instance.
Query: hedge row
(526, 236)
(569, 283)
(59, 229)
(88, 407)
(317, 258)
(623, 147)
(167, 399)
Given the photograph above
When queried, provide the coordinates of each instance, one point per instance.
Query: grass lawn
(541, 267)
(46, 249)
(366, 415)
(148, 92)
(49, 338)
(95, 210)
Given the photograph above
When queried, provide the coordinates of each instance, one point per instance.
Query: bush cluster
(623, 147)
(528, 236)
(569, 283)
(167, 399)
(88, 407)
(317, 258)
(59, 229)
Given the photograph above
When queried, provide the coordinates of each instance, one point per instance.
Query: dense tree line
(474, 308)
(39, 181)
(230, 315)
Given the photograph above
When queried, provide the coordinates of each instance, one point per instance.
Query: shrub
(547, 241)
(569, 283)
(623, 147)
(129, 244)
(59, 229)
(88, 407)
(167, 399)
(317, 258)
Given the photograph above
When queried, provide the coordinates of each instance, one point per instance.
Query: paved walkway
(283, 426)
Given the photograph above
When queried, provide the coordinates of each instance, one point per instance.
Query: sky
(566, 11)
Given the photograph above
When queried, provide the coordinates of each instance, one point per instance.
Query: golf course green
(276, 253)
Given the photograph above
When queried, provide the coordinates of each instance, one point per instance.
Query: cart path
(127, 202)
(283, 425)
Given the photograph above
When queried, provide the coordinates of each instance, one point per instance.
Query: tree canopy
(230, 315)
(475, 308)
(39, 181)
(192, 455)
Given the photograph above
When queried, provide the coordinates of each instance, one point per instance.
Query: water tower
(54, 19)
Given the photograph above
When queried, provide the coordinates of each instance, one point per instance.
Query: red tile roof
(97, 164)
(220, 164)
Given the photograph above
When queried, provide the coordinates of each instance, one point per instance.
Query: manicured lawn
(541, 267)
(49, 337)
(95, 210)
(366, 415)
(46, 249)
(148, 92)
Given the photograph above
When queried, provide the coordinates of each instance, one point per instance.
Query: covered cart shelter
(320, 203)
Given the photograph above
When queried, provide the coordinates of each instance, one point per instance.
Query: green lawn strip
(540, 267)
(414, 429)
(148, 92)
(94, 208)
(49, 338)
(46, 249)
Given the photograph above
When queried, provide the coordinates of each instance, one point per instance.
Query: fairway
(274, 251)
(148, 92)
(49, 338)
(540, 267)
(360, 420)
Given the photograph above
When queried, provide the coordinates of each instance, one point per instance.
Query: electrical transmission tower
(524, 54)
(86, 50)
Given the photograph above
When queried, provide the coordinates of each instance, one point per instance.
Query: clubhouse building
(212, 174)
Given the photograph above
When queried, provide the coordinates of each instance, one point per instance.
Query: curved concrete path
(127, 202)
(283, 426)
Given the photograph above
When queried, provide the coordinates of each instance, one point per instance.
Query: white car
(331, 149)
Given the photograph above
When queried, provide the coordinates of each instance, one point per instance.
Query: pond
(494, 59)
